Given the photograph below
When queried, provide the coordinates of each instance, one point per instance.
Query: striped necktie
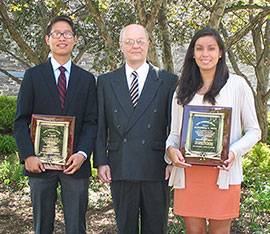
(134, 89)
(61, 86)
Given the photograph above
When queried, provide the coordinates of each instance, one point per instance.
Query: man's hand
(104, 173)
(33, 164)
(176, 157)
(74, 163)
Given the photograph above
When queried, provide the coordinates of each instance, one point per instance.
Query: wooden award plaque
(205, 134)
(53, 138)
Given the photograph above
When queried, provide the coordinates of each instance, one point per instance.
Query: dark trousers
(146, 201)
(74, 194)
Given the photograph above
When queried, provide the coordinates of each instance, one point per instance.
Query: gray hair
(124, 29)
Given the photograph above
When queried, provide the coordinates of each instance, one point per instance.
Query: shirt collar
(56, 65)
(141, 70)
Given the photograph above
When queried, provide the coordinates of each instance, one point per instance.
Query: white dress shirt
(142, 72)
(245, 130)
(56, 71)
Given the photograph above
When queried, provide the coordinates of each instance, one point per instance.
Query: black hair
(190, 79)
(59, 18)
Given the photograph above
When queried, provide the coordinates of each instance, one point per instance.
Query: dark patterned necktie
(134, 89)
(62, 86)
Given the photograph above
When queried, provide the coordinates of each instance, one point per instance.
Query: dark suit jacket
(39, 95)
(132, 141)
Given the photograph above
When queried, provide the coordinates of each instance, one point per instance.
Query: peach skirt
(203, 199)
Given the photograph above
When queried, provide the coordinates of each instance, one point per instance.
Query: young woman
(208, 198)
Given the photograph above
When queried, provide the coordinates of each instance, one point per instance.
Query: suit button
(143, 142)
(125, 140)
(118, 126)
(115, 111)
(148, 125)
(155, 110)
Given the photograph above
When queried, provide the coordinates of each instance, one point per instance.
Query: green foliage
(176, 225)
(99, 195)
(256, 167)
(7, 145)
(7, 114)
(268, 125)
(94, 172)
(11, 172)
(255, 204)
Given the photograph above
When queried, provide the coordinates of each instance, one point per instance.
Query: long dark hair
(191, 81)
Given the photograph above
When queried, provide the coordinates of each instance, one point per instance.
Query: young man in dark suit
(134, 117)
(58, 87)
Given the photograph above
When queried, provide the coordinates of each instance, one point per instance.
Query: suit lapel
(150, 88)
(74, 81)
(49, 79)
(121, 90)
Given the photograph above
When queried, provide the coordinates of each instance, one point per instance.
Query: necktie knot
(134, 74)
(62, 69)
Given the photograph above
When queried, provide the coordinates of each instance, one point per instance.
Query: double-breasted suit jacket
(132, 140)
(39, 95)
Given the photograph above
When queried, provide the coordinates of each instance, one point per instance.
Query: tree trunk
(152, 55)
(262, 113)
(101, 24)
(217, 12)
(165, 38)
(148, 21)
(262, 56)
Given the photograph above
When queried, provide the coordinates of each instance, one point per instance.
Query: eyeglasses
(131, 42)
(66, 35)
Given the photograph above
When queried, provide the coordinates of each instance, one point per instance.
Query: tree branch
(24, 63)
(246, 7)
(217, 12)
(267, 55)
(266, 52)
(43, 19)
(243, 31)
(148, 20)
(243, 54)
(233, 60)
(80, 54)
(99, 21)
(101, 25)
(17, 80)
(202, 3)
(139, 6)
(256, 36)
(15, 35)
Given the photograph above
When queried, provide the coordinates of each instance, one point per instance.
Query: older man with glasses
(58, 88)
(134, 118)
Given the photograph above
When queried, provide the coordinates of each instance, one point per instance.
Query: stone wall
(8, 87)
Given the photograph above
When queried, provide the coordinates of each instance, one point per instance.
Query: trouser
(74, 195)
(144, 202)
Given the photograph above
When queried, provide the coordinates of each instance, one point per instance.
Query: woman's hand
(168, 171)
(229, 162)
(176, 157)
